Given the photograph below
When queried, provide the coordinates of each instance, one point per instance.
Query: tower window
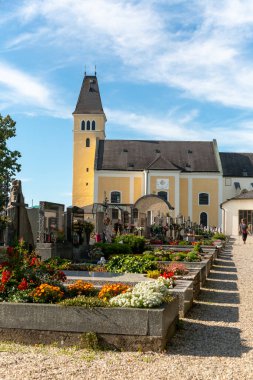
(88, 125)
(83, 125)
(115, 197)
(87, 169)
(203, 199)
(93, 125)
(87, 143)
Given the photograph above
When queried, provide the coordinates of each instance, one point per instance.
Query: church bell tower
(89, 128)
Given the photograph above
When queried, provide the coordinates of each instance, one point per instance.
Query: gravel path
(215, 340)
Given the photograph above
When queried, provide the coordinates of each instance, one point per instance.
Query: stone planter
(194, 276)
(184, 291)
(201, 266)
(210, 249)
(209, 260)
(122, 328)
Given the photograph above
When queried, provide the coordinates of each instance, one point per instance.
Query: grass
(75, 352)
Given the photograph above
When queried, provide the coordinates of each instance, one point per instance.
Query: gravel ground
(214, 342)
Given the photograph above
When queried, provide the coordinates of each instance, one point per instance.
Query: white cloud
(175, 126)
(32, 94)
(198, 48)
(25, 38)
(202, 48)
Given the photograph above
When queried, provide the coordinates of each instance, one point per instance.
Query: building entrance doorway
(248, 216)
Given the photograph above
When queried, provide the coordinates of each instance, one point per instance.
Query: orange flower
(46, 293)
(111, 290)
(80, 287)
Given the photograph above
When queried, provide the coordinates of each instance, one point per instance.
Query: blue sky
(167, 69)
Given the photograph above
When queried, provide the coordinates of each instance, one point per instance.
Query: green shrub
(110, 249)
(131, 264)
(207, 242)
(184, 242)
(136, 243)
(162, 254)
(185, 256)
(147, 253)
(20, 296)
(58, 263)
(219, 236)
(197, 247)
(192, 256)
(88, 302)
(178, 256)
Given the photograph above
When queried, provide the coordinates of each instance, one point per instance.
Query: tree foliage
(8, 159)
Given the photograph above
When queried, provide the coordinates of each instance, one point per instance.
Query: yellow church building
(142, 179)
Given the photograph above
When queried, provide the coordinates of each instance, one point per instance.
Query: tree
(8, 159)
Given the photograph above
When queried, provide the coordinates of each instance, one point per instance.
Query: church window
(115, 213)
(135, 213)
(88, 125)
(87, 169)
(93, 125)
(163, 195)
(87, 143)
(115, 197)
(126, 217)
(203, 199)
(83, 125)
(203, 219)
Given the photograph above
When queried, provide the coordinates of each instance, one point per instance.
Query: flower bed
(121, 328)
(25, 278)
(118, 312)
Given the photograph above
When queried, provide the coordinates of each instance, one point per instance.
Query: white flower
(144, 294)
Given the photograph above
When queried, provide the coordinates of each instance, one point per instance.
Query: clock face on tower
(162, 184)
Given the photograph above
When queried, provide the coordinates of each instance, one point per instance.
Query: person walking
(244, 230)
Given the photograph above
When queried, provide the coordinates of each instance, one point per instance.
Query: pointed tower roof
(89, 100)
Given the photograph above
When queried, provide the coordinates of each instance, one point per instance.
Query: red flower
(6, 274)
(167, 274)
(33, 261)
(23, 284)
(2, 288)
(60, 275)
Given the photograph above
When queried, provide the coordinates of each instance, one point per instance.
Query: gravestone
(19, 227)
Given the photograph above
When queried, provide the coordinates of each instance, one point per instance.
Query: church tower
(89, 128)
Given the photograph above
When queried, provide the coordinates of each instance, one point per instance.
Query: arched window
(87, 143)
(135, 213)
(115, 213)
(88, 125)
(203, 199)
(115, 197)
(203, 219)
(126, 217)
(163, 195)
(93, 125)
(83, 125)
